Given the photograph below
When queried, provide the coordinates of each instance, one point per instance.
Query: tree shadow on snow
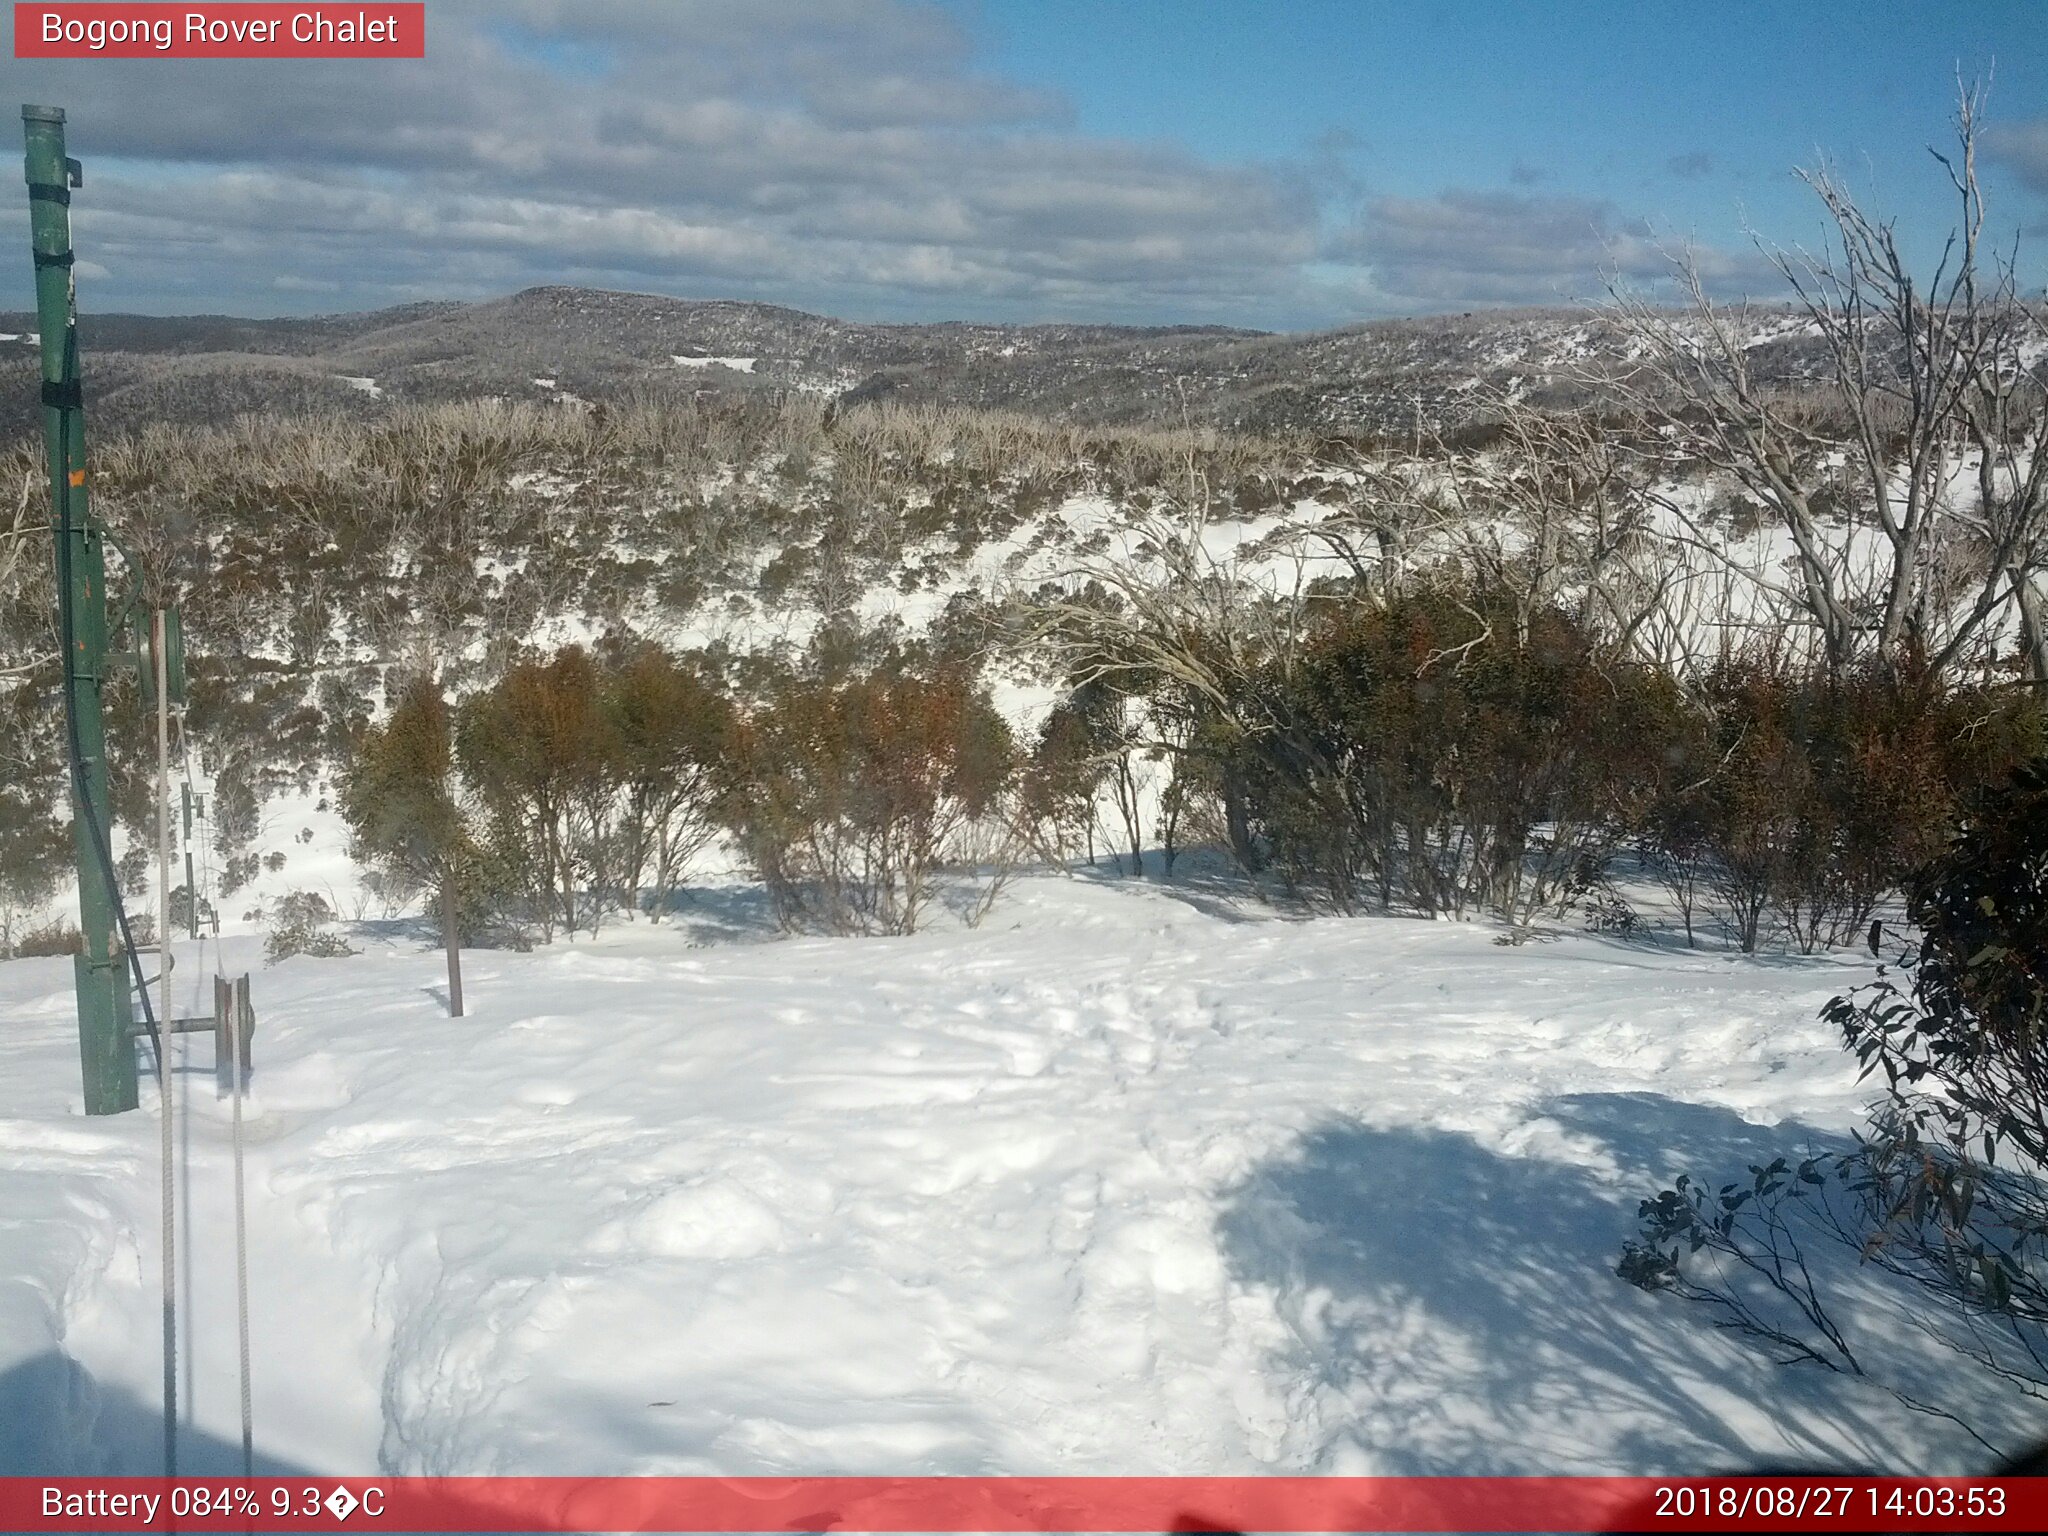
(1455, 1308)
(58, 1420)
(1206, 878)
(723, 914)
(411, 929)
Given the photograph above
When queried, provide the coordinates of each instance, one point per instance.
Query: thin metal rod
(185, 1026)
(163, 1061)
(191, 890)
(241, 1236)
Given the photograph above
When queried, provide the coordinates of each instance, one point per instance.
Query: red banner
(360, 31)
(1111, 1504)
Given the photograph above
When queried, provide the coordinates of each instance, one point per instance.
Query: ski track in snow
(1115, 1184)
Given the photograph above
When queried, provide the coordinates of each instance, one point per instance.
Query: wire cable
(238, 1023)
(159, 646)
(238, 1037)
(97, 835)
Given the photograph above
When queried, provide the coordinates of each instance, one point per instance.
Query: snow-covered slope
(1137, 1177)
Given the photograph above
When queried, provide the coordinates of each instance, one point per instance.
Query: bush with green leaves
(1802, 797)
(413, 822)
(1430, 752)
(299, 923)
(35, 854)
(1088, 745)
(539, 753)
(850, 794)
(571, 786)
(593, 779)
(1946, 1189)
(668, 723)
(186, 913)
(1059, 783)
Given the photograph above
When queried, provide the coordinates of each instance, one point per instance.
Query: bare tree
(1160, 613)
(1912, 491)
(19, 549)
(1556, 512)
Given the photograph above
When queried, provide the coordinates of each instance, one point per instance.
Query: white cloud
(2022, 147)
(1487, 247)
(833, 146)
(841, 154)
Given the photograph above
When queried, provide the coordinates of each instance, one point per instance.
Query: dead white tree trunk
(1912, 489)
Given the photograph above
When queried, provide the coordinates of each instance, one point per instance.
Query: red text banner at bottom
(937, 1504)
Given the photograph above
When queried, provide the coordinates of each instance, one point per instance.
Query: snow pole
(159, 649)
(191, 890)
(105, 1047)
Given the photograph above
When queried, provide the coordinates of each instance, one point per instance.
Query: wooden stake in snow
(451, 938)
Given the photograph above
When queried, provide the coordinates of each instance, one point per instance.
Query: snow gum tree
(539, 751)
(669, 727)
(406, 815)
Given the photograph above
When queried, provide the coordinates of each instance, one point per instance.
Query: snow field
(1119, 1183)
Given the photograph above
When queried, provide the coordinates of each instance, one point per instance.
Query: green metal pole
(105, 1048)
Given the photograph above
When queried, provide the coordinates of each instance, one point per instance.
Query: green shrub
(298, 924)
(1809, 795)
(668, 724)
(538, 751)
(1943, 1189)
(1428, 752)
(848, 796)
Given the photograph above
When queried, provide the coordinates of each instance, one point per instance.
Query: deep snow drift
(1137, 1177)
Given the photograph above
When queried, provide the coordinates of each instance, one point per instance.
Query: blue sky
(1285, 164)
(1692, 115)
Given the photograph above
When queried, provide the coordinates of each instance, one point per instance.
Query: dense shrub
(1805, 797)
(410, 819)
(1435, 749)
(1087, 750)
(183, 914)
(58, 936)
(1431, 753)
(1059, 785)
(35, 852)
(848, 796)
(547, 799)
(539, 753)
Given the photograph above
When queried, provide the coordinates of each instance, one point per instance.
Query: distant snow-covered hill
(1382, 376)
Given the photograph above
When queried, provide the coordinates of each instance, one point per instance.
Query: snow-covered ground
(1136, 1177)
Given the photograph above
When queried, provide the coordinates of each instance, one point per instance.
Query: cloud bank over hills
(845, 155)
